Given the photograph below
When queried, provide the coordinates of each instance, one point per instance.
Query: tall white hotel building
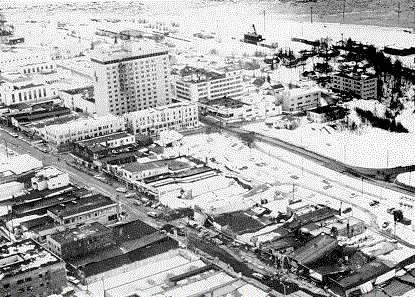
(130, 78)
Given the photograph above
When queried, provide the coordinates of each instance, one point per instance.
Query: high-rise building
(130, 78)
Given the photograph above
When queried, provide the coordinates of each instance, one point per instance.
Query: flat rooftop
(82, 205)
(103, 139)
(193, 74)
(239, 222)
(327, 109)
(21, 257)
(82, 90)
(225, 102)
(79, 233)
(139, 167)
(355, 75)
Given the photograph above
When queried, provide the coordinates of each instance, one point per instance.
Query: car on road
(73, 280)
(347, 210)
(390, 210)
(353, 195)
(374, 203)
(385, 225)
(129, 195)
(153, 214)
(258, 276)
(121, 190)
(14, 134)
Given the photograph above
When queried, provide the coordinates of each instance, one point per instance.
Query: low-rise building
(82, 129)
(12, 167)
(88, 209)
(227, 110)
(326, 113)
(198, 84)
(176, 116)
(15, 59)
(80, 240)
(79, 99)
(28, 270)
(362, 85)
(263, 106)
(19, 120)
(50, 178)
(18, 88)
(89, 151)
(300, 98)
(134, 172)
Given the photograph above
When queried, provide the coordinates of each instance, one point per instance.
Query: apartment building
(176, 116)
(27, 270)
(300, 98)
(82, 129)
(19, 88)
(198, 84)
(88, 209)
(80, 240)
(130, 78)
(362, 85)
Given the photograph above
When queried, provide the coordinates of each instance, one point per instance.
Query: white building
(18, 165)
(197, 84)
(82, 129)
(137, 171)
(300, 99)
(29, 60)
(176, 116)
(362, 85)
(263, 106)
(20, 88)
(79, 99)
(128, 79)
(50, 178)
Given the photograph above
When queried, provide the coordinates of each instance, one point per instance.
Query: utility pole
(7, 150)
(311, 14)
(399, 12)
(264, 21)
(362, 187)
(387, 159)
(344, 7)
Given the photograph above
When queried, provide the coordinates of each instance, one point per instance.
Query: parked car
(385, 225)
(374, 203)
(390, 210)
(153, 214)
(347, 210)
(129, 195)
(121, 190)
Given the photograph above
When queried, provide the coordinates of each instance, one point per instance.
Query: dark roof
(192, 272)
(35, 194)
(317, 215)
(102, 139)
(327, 109)
(118, 256)
(282, 243)
(31, 85)
(31, 224)
(226, 102)
(82, 90)
(259, 81)
(364, 274)
(138, 167)
(277, 86)
(132, 230)
(201, 74)
(19, 106)
(82, 205)
(41, 113)
(238, 222)
(121, 156)
(83, 231)
(315, 249)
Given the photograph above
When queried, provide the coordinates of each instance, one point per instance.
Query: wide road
(358, 173)
(76, 176)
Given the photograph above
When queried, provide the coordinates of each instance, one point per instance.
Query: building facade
(176, 116)
(79, 99)
(362, 85)
(50, 178)
(17, 88)
(95, 208)
(196, 84)
(137, 171)
(300, 99)
(82, 129)
(29, 270)
(80, 241)
(128, 80)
